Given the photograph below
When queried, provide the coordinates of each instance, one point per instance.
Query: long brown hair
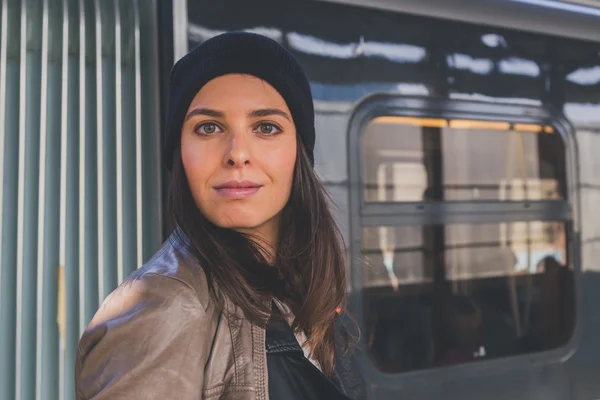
(309, 271)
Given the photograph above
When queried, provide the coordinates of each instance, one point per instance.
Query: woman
(240, 302)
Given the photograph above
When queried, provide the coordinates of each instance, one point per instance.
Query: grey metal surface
(3, 63)
(589, 3)
(180, 32)
(330, 149)
(523, 16)
(119, 138)
(62, 230)
(75, 76)
(382, 214)
(8, 277)
(42, 203)
(70, 294)
(138, 136)
(82, 167)
(21, 200)
(148, 108)
(99, 148)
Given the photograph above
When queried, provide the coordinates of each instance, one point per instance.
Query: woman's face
(238, 147)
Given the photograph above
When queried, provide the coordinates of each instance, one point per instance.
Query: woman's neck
(266, 237)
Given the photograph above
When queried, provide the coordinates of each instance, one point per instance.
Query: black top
(291, 375)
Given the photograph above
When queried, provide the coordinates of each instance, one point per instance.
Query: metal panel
(78, 82)
(9, 124)
(3, 63)
(524, 15)
(119, 138)
(30, 185)
(61, 317)
(138, 134)
(180, 29)
(589, 3)
(148, 105)
(126, 122)
(41, 202)
(71, 289)
(89, 211)
(50, 338)
(21, 198)
(381, 214)
(82, 168)
(107, 212)
(9, 75)
(99, 149)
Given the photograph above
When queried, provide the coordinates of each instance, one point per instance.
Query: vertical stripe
(41, 201)
(119, 141)
(152, 168)
(9, 124)
(82, 169)
(3, 90)
(3, 63)
(21, 199)
(138, 135)
(72, 266)
(127, 219)
(180, 29)
(62, 236)
(100, 150)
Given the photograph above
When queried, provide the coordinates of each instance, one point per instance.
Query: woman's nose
(238, 152)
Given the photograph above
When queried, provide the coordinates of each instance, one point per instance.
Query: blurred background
(459, 141)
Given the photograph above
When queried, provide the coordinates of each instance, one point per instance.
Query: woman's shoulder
(146, 326)
(171, 278)
(174, 263)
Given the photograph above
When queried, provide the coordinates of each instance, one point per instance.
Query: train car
(458, 141)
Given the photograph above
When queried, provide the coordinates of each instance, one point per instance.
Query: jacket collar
(280, 337)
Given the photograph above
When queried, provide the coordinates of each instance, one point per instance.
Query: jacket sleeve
(347, 353)
(150, 340)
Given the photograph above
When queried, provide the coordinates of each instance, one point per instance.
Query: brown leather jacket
(158, 336)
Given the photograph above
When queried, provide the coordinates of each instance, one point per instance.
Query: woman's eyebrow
(265, 112)
(205, 111)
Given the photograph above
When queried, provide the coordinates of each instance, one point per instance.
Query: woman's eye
(207, 129)
(268, 129)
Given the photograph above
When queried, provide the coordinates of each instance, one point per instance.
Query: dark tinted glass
(441, 295)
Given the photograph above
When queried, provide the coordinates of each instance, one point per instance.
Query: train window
(396, 255)
(470, 281)
(437, 295)
(472, 161)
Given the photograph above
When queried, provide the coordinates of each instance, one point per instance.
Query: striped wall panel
(79, 176)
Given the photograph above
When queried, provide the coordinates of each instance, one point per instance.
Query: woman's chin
(241, 223)
(245, 219)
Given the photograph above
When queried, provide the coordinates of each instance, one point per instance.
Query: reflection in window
(414, 159)
(447, 294)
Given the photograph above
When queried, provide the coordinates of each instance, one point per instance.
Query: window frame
(424, 213)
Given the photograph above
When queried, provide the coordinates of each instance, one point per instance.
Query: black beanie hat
(244, 53)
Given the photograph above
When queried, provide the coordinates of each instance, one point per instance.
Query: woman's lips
(237, 192)
(237, 189)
